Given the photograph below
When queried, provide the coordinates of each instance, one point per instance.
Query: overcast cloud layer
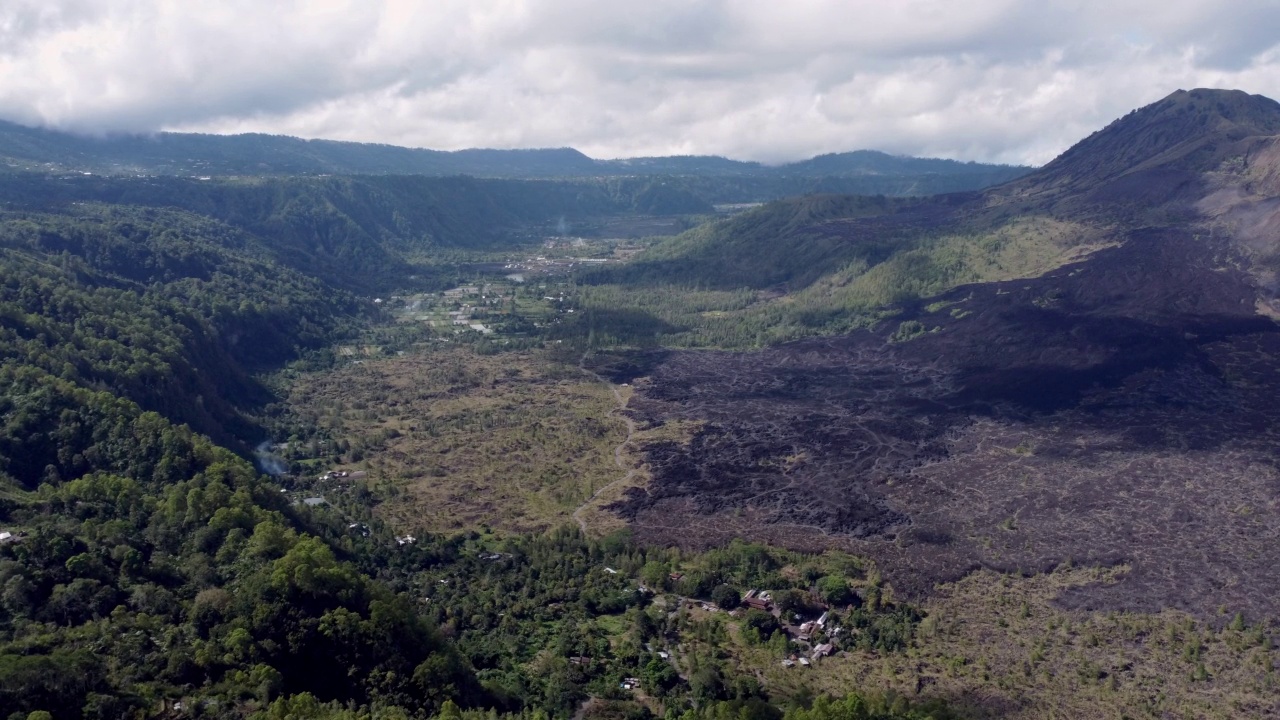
(988, 80)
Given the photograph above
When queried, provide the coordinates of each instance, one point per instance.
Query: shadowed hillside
(1160, 151)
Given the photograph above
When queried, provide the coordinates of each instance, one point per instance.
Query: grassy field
(1024, 248)
(454, 439)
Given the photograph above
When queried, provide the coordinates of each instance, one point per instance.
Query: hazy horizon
(108, 135)
(1000, 81)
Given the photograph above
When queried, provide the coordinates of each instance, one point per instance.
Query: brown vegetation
(999, 646)
(456, 439)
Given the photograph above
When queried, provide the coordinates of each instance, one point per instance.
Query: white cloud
(995, 80)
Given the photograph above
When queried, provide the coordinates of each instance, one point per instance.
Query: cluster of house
(169, 708)
(460, 292)
(7, 537)
(818, 652)
(661, 653)
(462, 317)
(629, 683)
(758, 600)
(551, 266)
(406, 540)
(807, 631)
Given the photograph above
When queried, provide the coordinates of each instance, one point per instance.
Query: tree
(654, 574)
(761, 622)
(449, 711)
(658, 675)
(643, 625)
(792, 601)
(835, 590)
(726, 597)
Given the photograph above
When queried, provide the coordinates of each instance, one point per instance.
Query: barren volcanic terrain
(1118, 410)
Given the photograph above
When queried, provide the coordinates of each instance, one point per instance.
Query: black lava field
(1119, 410)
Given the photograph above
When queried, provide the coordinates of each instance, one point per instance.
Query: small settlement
(804, 634)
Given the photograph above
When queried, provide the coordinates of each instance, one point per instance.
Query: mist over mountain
(255, 154)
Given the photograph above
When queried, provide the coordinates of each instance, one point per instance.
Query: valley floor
(518, 443)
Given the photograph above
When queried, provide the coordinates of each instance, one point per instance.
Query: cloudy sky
(990, 80)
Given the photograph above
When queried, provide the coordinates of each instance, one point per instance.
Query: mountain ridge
(1157, 153)
(259, 153)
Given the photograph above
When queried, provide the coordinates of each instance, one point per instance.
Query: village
(809, 639)
(510, 296)
(510, 306)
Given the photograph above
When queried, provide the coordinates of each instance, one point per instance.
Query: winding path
(617, 451)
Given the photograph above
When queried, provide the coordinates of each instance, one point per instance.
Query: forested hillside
(145, 560)
(163, 308)
(361, 232)
(171, 566)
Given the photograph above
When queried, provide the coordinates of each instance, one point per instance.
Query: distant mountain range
(25, 148)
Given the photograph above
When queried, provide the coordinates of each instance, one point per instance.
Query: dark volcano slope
(1120, 409)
